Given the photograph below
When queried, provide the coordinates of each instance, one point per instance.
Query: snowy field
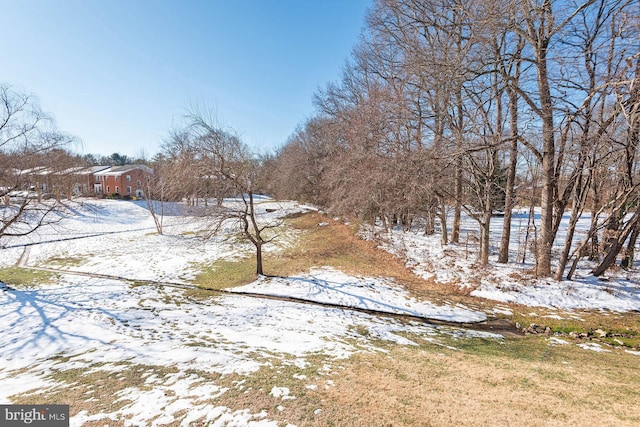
(617, 290)
(95, 324)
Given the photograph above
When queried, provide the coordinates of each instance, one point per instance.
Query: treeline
(115, 159)
(476, 106)
(445, 107)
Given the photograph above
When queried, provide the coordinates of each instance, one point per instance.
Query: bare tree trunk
(485, 224)
(627, 261)
(485, 228)
(254, 235)
(512, 94)
(259, 268)
(576, 209)
(543, 265)
(540, 26)
(509, 200)
(457, 209)
(531, 223)
(594, 248)
(429, 228)
(632, 147)
(443, 221)
(157, 214)
(576, 258)
(616, 245)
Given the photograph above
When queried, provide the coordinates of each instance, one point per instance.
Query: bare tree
(26, 133)
(220, 159)
(540, 25)
(593, 123)
(441, 95)
(621, 225)
(160, 190)
(299, 169)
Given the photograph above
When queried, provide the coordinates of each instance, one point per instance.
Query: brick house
(125, 181)
(84, 179)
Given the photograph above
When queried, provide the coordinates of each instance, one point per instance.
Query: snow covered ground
(618, 290)
(96, 324)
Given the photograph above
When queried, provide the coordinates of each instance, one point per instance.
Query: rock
(600, 333)
(534, 328)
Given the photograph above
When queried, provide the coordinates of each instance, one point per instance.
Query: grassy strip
(324, 242)
(526, 381)
(442, 380)
(227, 274)
(22, 277)
(334, 245)
(622, 329)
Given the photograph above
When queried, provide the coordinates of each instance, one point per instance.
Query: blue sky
(117, 73)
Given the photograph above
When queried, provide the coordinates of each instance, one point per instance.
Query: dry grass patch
(65, 261)
(323, 241)
(95, 388)
(525, 382)
(337, 245)
(299, 406)
(333, 245)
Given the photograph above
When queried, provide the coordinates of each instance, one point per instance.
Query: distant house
(85, 179)
(8, 178)
(36, 179)
(128, 180)
(56, 182)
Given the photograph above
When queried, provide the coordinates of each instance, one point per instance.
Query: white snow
(331, 286)
(281, 392)
(513, 282)
(593, 347)
(95, 323)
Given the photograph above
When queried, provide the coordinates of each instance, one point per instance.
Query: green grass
(521, 349)
(227, 274)
(21, 277)
(625, 327)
